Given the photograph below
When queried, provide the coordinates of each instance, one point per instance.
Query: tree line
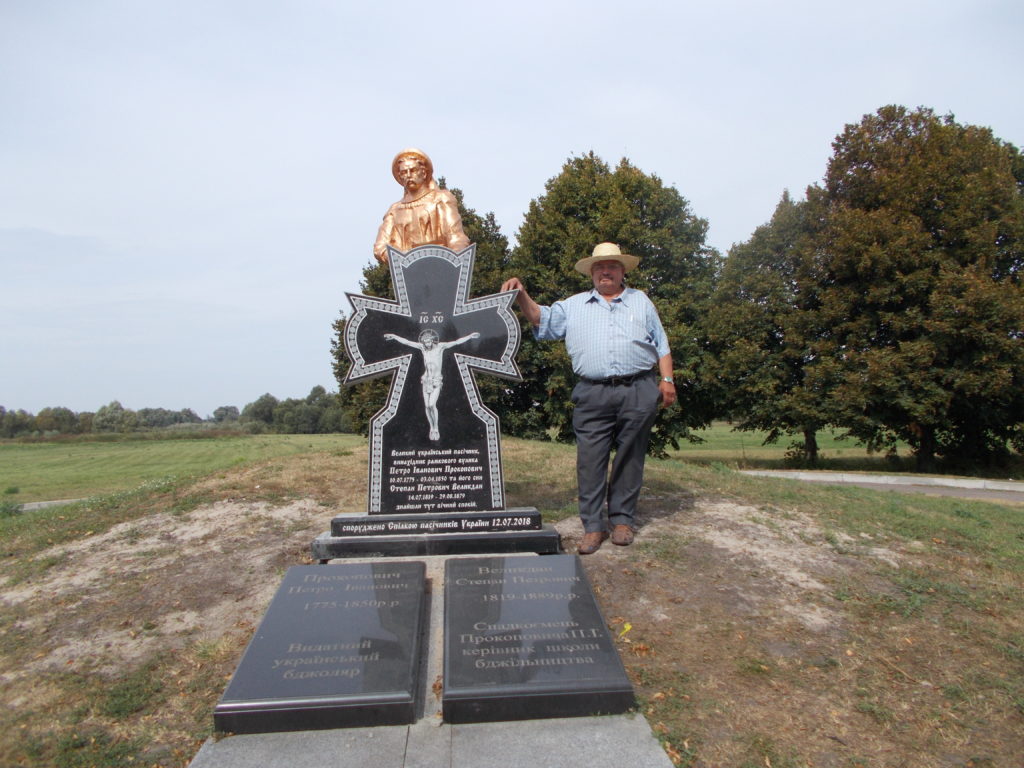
(886, 303)
(319, 412)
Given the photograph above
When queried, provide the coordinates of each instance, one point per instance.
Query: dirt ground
(740, 626)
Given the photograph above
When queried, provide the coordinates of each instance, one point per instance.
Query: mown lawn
(45, 471)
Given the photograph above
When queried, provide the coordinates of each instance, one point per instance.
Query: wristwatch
(668, 379)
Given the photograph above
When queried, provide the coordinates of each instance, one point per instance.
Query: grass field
(45, 471)
(746, 450)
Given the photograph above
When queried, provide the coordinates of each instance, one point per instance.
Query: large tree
(589, 203)
(762, 332)
(919, 274)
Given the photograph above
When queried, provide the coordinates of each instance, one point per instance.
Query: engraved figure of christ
(432, 349)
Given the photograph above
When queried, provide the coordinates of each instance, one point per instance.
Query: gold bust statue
(426, 214)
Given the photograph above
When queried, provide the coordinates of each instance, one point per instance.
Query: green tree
(226, 413)
(918, 270)
(762, 335)
(588, 203)
(297, 417)
(114, 417)
(16, 423)
(85, 419)
(333, 418)
(60, 420)
(260, 411)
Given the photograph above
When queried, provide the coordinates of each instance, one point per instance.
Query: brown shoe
(592, 542)
(622, 535)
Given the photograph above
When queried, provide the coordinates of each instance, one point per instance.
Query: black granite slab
(543, 542)
(338, 647)
(525, 639)
(514, 519)
(434, 446)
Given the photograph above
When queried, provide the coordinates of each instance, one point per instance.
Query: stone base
(542, 542)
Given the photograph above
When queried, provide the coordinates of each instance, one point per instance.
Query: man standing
(615, 339)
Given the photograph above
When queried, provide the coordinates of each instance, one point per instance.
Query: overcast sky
(188, 188)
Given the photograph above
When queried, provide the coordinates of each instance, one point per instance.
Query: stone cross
(433, 448)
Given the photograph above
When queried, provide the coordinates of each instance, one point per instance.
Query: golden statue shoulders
(426, 214)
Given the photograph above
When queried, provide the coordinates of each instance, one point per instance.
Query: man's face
(412, 174)
(608, 276)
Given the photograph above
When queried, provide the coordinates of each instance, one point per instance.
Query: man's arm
(529, 307)
(668, 388)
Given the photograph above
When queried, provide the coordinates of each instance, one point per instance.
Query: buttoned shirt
(604, 338)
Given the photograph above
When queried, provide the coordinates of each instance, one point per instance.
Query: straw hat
(606, 252)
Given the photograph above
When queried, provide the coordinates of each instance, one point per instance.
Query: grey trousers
(606, 418)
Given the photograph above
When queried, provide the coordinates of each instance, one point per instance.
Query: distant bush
(318, 413)
(9, 508)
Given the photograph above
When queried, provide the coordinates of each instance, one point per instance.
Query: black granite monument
(338, 647)
(435, 475)
(524, 639)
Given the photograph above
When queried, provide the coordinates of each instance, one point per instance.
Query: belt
(616, 381)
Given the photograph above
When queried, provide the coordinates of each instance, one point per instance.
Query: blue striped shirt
(604, 338)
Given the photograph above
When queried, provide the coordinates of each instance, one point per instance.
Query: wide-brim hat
(412, 152)
(606, 252)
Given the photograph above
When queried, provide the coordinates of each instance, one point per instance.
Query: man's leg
(637, 410)
(593, 421)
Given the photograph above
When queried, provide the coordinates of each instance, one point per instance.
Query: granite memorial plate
(339, 647)
(524, 639)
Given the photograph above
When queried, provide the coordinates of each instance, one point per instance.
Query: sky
(188, 188)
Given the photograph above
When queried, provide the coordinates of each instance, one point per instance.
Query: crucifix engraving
(433, 356)
(433, 448)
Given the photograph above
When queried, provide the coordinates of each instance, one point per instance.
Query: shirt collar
(595, 296)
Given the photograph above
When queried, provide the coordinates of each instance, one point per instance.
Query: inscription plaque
(338, 647)
(514, 519)
(524, 639)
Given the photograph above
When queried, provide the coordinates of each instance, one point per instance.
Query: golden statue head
(408, 156)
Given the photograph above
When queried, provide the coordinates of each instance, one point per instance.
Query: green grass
(746, 450)
(723, 443)
(133, 692)
(46, 471)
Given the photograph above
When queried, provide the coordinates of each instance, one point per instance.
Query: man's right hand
(529, 308)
